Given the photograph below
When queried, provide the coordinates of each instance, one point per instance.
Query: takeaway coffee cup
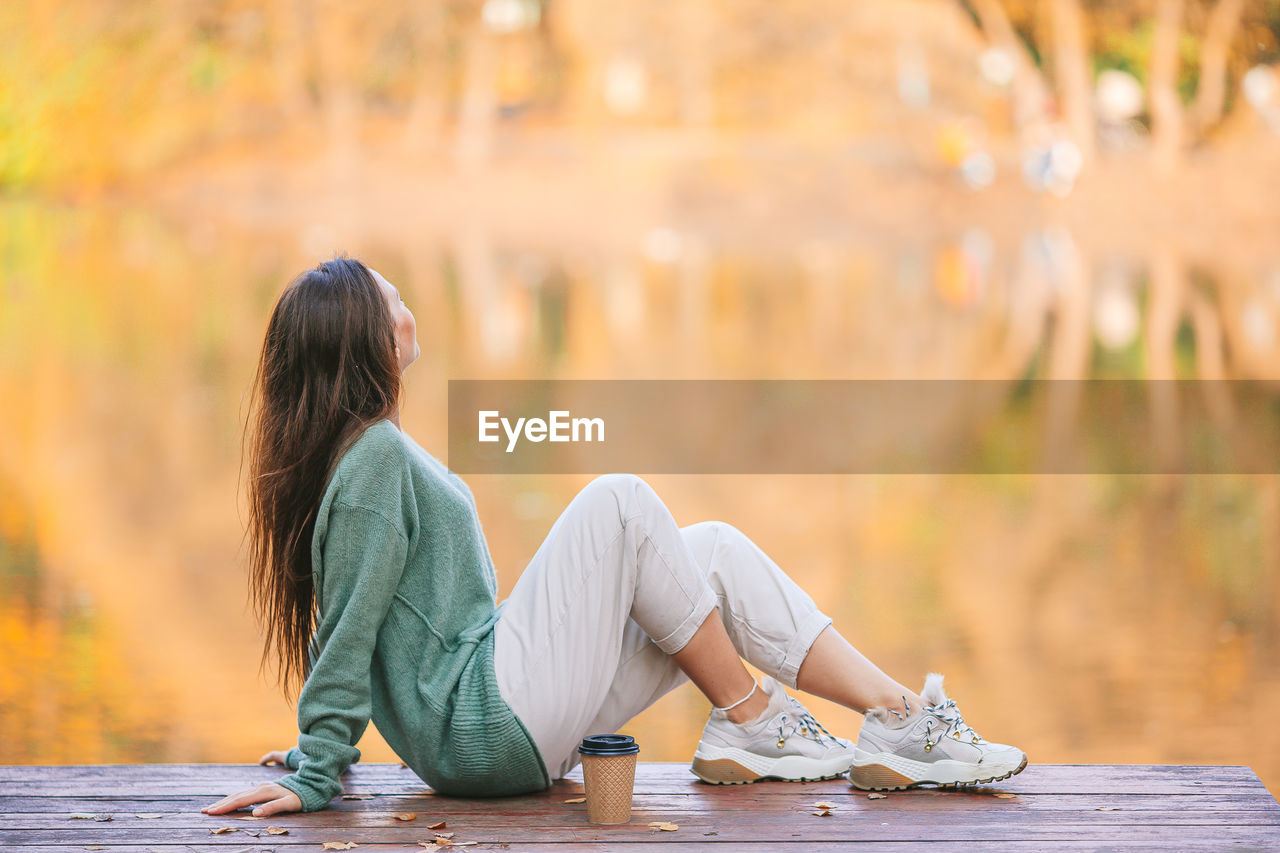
(609, 775)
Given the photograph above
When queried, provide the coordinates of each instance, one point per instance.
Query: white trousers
(583, 642)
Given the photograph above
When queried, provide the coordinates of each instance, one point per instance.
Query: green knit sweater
(406, 608)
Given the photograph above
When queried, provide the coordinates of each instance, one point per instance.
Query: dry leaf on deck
(277, 830)
(439, 825)
(663, 825)
(339, 845)
(1006, 796)
(445, 835)
(357, 796)
(1108, 808)
(823, 813)
(406, 816)
(222, 830)
(824, 805)
(95, 847)
(576, 800)
(150, 815)
(81, 816)
(876, 796)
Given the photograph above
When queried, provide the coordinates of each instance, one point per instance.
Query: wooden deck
(136, 808)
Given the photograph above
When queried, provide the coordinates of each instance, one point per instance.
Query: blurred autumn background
(570, 189)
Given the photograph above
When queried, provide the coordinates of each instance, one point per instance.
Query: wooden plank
(218, 780)
(650, 772)
(1183, 842)
(710, 802)
(732, 825)
(1055, 807)
(739, 827)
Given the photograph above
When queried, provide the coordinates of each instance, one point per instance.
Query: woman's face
(407, 349)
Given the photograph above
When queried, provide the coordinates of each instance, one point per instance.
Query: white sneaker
(786, 742)
(934, 745)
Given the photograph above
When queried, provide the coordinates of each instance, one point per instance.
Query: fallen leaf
(277, 830)
(1006, 796)
(406, 816)
(439, 825)
(81, 816)
(95, 847)
(357, 796)
(222, 830)
(576, 800)
(1108, 808)
(445, 835)
(824, 805)
(664, 826)
(876, 796)
(339, 845)
(823, 813)
(150, 815)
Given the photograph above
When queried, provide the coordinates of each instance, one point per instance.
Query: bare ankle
(750, 709)
(904, 703)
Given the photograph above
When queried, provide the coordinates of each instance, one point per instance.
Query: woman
(373, 580)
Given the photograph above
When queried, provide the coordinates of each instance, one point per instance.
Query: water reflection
(1087, 618)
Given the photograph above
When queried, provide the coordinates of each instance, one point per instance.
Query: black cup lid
(608, 745)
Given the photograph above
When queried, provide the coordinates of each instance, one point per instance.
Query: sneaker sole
(878, 774)
(729, 766)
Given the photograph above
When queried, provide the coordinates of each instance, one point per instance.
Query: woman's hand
(275, 799)
(275, 756)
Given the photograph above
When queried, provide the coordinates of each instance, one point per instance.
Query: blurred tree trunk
(339, 94)
(695, 39)
(1030, 93)
(1212, 90)
(429, 22)
(1165, 299)
(1166, 107)
(478, 110)
(1071, 66)
(291, 28)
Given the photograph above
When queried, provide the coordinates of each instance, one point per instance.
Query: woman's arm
(363, 561)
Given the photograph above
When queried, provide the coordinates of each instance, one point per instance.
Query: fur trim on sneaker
(932, 693)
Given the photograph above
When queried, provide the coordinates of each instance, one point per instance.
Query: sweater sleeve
(363, 561)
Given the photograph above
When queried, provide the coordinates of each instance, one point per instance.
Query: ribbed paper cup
(609, 775)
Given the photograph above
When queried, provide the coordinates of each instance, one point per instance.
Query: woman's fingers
(276, 799)
(244, 798)
(276, 755)
(288, 803)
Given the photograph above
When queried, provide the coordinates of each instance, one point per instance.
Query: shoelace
(956, 726)
(806, 725)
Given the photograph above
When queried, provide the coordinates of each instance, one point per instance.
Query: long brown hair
(328, 370)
